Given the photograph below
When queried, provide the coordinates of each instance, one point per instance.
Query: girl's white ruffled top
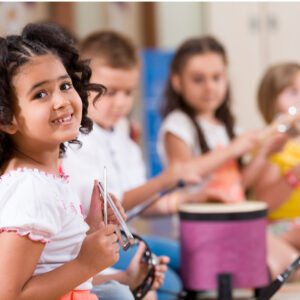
(44, 208)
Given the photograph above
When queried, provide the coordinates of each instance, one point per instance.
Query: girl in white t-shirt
(198, 125)
(47, 250)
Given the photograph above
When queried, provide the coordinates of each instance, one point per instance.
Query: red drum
(223, 238)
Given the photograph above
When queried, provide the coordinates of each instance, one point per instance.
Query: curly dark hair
(40, 39)
(174, 100)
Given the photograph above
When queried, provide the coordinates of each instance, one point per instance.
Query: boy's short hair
(112, 48)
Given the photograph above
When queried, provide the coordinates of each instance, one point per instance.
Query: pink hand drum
(223, 238)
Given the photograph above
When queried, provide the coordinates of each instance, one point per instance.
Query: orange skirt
(79, 295)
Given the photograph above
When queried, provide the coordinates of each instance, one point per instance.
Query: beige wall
(121, 16)
(177, 21)
(256, 35)
(13, 16)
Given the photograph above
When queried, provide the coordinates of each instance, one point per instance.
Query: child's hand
(160, 270)
(184, 171)
(207, 195)
(273, 144)
(244, 143)
(211, 195)
(95, 215)
(96, 212)
(111, 218)
(137, 270)
(99, 250)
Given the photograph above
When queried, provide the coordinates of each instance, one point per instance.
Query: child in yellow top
(288, 158)
(278, 184)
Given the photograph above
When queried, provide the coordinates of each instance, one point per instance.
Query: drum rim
(248, 206)
(223, 212)
(252, 215)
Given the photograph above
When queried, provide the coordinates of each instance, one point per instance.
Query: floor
(290, 291)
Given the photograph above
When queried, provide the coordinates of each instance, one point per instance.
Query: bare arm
(165, 180)
(252, 171)
(133, 197)
(184, 166)
(178, 151)
(272, 188)
(170, 204)
(19, 257)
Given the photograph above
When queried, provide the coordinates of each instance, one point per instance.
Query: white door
(283, 31)
(239, 26)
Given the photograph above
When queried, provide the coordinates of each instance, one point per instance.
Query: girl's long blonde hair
(274, 81)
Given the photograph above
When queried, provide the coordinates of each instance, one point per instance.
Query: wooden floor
(290, 291)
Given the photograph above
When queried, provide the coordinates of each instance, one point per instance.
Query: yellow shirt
(288, 158)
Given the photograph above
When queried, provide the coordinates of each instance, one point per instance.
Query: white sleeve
(180, 125)
(31, 206)
(238, 130)
(82, 166)
(136, 171)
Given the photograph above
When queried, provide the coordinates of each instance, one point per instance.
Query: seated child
(278, 185)
(115, 64)
(47, 250)
(199, 127)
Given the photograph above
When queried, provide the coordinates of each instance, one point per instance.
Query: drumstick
(105, 196)
(143, 206)
(274, 286)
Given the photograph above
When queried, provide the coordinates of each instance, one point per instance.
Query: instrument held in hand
(126, 240)
(288, 123)
(105, 196)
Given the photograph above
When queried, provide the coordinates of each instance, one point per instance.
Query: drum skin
(223, 238)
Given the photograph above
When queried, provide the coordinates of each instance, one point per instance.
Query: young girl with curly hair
(47, 250)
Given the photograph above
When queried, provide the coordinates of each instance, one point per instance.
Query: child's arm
(273, 188)
(170, 203)
(178, 151)
(165, 180)
(19, 257)
(252, 171)
(185, 166)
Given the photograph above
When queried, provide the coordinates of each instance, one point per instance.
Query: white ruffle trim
(23, 232)
(63, 177)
